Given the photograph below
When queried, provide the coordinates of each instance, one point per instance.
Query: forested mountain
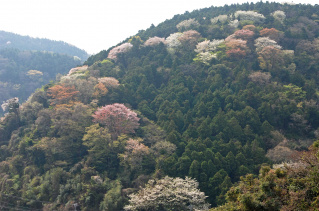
(26, 43)
(22, 72)
(187, 115)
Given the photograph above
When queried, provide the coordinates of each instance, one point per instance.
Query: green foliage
(215, 122)
(286, 187)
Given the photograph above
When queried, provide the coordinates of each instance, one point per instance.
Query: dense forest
(214, 109)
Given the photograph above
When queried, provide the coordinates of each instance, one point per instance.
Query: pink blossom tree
(117, 118)
(135, 151)
(244, 34)
(236, 48)
(125, 47)
(152, 41)
(189, 39)
(272, 33)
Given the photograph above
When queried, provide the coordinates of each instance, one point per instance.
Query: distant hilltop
(12, 40)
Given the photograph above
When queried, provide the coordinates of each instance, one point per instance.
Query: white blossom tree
(109, 82)
(206, 50)
(279, 16)
(207, 45)
(262, 42)
(205, 57)
(173, 42)
(249, 15)
(169, 194)
(221, 18)
(10, 105)
(234, 23)
(187, 25)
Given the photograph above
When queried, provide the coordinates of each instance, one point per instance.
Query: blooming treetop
(234, 23)
(205, 50)
(187, 24)
(125, 47)
(109, 82)
(76, 69)
(173, 42)
(152, 41)
(11, 103)
(249, 15)
(262, 42)
(207, 45)
(220, 18)
(279, 15)
(117, 118)
(169, 194)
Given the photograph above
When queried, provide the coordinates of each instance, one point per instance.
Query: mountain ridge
(13, 40)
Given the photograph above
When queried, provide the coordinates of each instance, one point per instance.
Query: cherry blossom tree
(117, 118)
(272, 33)
(249, 15)
(125, 47)
(152, 41)
(173, 42)
(234, 23)
(221, 19)
(169, 194)
(187, 25)
(109, 82)
(205, 57)
(134, 153)
(76, 69)
(207, 45)
(11, 104)
(189, 39)
(236, 48)
(244, 34)
(279, 16)
(206, 50)
(262, 42)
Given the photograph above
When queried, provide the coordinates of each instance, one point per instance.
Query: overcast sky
(95, 25)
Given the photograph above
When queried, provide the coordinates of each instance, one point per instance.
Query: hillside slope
(26, 43)
(213, 95)
(22, 72)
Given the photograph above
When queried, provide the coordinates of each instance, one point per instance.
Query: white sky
(95, 25)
